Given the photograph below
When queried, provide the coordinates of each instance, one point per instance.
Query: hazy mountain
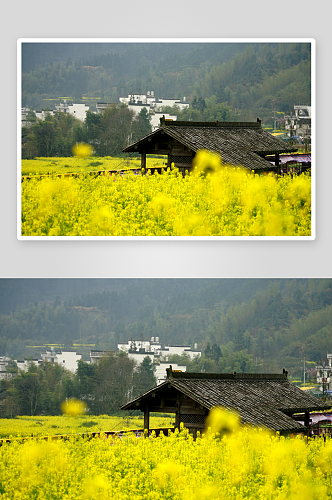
(255, 322)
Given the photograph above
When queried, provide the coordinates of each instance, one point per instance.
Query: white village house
(324, 375)
(135, 102)
(75, 109)
(139, 349)
(67, 359)
(136, 349)
(298, 123)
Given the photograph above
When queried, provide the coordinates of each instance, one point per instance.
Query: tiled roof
(262, 400)
(239, 143)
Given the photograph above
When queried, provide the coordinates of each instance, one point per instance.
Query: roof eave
(275, 151)
(134, 146)
(132, 404)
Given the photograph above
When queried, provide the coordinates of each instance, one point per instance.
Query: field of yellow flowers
(24, 426)
(212, 201)
(73, 164)
(244, 464)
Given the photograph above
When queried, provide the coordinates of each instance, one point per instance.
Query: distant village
(135, 102)
(297, 123)
(136, 349)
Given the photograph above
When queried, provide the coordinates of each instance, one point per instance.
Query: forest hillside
(224, 81)
(239, 324)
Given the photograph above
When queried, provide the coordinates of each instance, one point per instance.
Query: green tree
(92, 126)
(29, 389)
(144, 377)
(113, 383)
(85, 374)
(141, 125)
(115, 130)
(46, 137)
(10, 403)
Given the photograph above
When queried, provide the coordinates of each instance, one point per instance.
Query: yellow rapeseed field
(24, 426)
(55, 165)
(237, 465)
(212, 201)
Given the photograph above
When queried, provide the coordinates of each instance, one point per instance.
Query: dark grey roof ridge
(179, 123)
(234, 375)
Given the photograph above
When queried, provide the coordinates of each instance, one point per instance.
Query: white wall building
(67, 359)
(21, 365)
(76, 109)
(169, 350)
(160, 372)
(96, 355)
(298, 123)
(24, 365)
(24, 117)
(171, 102)
(324, 374)
(155, 119)
(139, 349)
(41, 115)
(4, 373)
(147, 99)
(136, 102)
(152, 346)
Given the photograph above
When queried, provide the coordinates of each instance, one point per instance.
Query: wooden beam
(186, 411)
(164, 409)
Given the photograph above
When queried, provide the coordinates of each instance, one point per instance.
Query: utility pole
(324, 381)
(274, 121)
(304, 372)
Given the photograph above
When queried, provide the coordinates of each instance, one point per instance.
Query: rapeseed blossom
(211, 201)
(82, 149)
(245, 464)
(222, 421)
(65, 424)
(73, 407)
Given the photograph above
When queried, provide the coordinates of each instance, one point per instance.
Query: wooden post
(146, 418)
(306, 421)
(177, 419)
(276, 161)
(143, 160)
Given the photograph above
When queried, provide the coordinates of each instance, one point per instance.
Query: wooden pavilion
(239, 143)
(268, 401)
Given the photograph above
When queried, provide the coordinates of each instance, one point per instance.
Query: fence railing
(95, 173)
(90, 435)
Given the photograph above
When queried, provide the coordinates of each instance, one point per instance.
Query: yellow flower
(73, 407)
(222, 421)
(206, 162)
(81, 149)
